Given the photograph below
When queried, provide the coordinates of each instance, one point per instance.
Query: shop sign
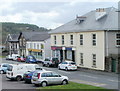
(56, 48)
(67, 48)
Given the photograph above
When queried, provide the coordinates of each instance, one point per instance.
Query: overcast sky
(48, 14)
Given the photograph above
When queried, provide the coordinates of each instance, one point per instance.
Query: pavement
(98, 72)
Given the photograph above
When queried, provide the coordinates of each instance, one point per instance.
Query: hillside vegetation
(15, 28)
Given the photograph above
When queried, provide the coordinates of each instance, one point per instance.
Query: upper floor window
(81, 39)
(30, 45)
(94, 39)
(42, 46)
(24, 42)
(34, 45)
(71, 39)
(37, 46)
(20, 42)
(118, 39)
(55, 40)
(62, 39)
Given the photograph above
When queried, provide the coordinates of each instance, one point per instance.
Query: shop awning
(34, 50)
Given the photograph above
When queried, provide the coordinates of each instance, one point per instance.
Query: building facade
(36, 44)
(12, 44)
(89, 39)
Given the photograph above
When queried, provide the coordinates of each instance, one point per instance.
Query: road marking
(113, 80)
(88, 82)
(89, 76)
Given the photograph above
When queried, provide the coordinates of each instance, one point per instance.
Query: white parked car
(67, 65)
(12, 57)
(3, 67)
(16, 71)
(45, 78)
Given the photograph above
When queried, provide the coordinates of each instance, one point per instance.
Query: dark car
(51, 62)
(31, 59)
(28, 76)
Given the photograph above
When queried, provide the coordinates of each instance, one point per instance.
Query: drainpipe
(107, 46)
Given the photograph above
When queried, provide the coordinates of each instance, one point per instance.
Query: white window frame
(94, 40)
(81, 39)
(117, 39)
(71, 39)
(55, 38)
(81, 59)
(63, 37)
(94, 57)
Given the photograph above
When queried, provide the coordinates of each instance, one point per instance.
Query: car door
(62, 65)
(49, 78)
(57, 78)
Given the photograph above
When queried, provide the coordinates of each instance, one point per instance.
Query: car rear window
(10, 68)
(35, 74)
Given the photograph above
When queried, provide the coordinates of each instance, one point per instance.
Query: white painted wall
(87, 49)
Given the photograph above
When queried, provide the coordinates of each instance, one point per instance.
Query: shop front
(69, 54)
(38, 54)
(57, 52)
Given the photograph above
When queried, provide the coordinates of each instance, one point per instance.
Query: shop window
(69, 55)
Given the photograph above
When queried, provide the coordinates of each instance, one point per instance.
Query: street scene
(100, 79)
(60, 45)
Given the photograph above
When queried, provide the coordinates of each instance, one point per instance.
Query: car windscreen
(31, 57)
(10, 68)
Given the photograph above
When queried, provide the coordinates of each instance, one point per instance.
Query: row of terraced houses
(91, 40)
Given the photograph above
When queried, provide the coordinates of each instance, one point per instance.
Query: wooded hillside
(15, 28)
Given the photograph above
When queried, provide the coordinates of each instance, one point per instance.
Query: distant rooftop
(36, 36)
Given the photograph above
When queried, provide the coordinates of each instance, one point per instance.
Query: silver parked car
(45, 78)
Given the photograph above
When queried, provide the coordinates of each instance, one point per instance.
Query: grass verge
(73, 87)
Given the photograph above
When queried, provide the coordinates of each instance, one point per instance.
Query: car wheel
(43, 65)
(48, 65)
(1, 72)
(66, 69)
(44, 84)
(59, 67)
(18, 78)
(64, 82)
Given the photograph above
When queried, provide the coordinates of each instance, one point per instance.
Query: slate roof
(13, 37)
(108, 22)
(36, 36)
